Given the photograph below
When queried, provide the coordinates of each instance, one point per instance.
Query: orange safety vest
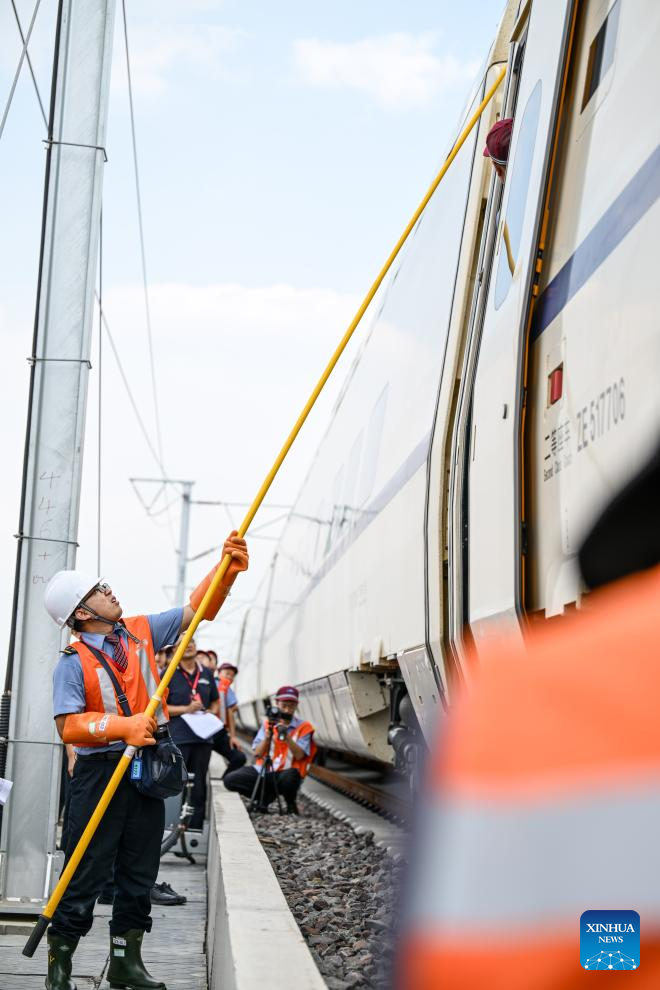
(282, 756)
(223, 685)
(542, 802)
(138, 682)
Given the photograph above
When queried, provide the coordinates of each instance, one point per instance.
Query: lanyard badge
(192, 684)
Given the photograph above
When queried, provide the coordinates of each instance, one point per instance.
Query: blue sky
(282, 148)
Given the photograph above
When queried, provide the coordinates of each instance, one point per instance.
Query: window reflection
(517, 201)
(601, 54)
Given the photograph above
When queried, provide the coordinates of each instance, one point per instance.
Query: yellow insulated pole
(129, 752)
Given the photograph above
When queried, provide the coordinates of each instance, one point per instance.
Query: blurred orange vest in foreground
(543, 801)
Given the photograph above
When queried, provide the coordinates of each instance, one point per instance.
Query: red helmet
(287, 693)
(498, 141)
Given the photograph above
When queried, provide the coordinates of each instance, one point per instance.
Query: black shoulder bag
(159, 771)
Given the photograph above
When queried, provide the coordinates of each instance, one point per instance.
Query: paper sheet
(5, 787)
(203, 724)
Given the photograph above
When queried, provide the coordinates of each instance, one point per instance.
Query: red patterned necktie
(118, 651)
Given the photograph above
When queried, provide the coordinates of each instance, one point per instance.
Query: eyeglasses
(103, 588)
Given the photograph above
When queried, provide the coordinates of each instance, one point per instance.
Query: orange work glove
(237, 547)
(99, 727)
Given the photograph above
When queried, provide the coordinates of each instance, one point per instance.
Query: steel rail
(376, 798)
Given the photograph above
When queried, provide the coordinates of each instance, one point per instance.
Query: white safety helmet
(64, 593)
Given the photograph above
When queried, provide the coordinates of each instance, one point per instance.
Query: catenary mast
(48, 526)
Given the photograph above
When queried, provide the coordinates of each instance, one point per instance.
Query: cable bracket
(75, 144)
(45, 539)
(33, 359)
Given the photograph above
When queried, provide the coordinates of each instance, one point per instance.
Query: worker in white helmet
(109, 651)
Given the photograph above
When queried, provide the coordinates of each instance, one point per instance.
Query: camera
(274, 715)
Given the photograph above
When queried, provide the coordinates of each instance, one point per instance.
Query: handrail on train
(85, 839)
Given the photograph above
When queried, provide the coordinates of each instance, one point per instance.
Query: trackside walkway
(174, 952)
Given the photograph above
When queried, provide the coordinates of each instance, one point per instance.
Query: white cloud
(159, 52)
(234, 364)
(397, 70)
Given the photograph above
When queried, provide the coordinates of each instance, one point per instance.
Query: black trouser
(235, 757)
(288, 782)
(196, 756)
(64, 840)
(128, 838)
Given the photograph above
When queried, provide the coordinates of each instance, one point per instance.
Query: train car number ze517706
(607, 410)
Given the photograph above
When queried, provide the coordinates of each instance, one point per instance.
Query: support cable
(141, 229)
(143, 256)
(26, 42)
(130, 395)
(9, 670)
(29, 62)
(103, 323)
(238, 505)
(141, 424)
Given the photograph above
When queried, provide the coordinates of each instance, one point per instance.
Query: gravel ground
(341, 890)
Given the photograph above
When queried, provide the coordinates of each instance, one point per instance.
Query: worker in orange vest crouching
(537, 855)
(289, 742)
(101, 687)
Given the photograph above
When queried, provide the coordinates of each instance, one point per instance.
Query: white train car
(500, 398)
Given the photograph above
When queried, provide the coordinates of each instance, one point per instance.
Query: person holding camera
(99, 721)
(289, 741)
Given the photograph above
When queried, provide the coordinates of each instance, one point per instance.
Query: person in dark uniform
(88, 716)
(193, 689)
(225, 742)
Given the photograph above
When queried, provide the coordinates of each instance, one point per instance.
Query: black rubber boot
(126, 970)
(60, 962)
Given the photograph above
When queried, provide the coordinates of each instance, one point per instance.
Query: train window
(371, 449)
(601, 53)
(517, 202)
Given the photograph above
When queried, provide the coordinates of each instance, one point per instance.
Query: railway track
(365, 793)
(346, 780)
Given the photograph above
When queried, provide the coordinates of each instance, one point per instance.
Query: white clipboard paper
(5, 788)
(203, 724)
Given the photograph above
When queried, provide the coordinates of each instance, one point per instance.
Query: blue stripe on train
(618, 220)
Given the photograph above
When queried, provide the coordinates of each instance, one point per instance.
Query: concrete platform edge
(252, 939)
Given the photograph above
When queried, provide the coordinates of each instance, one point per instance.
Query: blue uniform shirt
(68, 680)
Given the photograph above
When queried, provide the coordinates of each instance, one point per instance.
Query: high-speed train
(503, 393)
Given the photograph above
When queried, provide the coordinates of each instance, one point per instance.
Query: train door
(593, 401)
(495, 532)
